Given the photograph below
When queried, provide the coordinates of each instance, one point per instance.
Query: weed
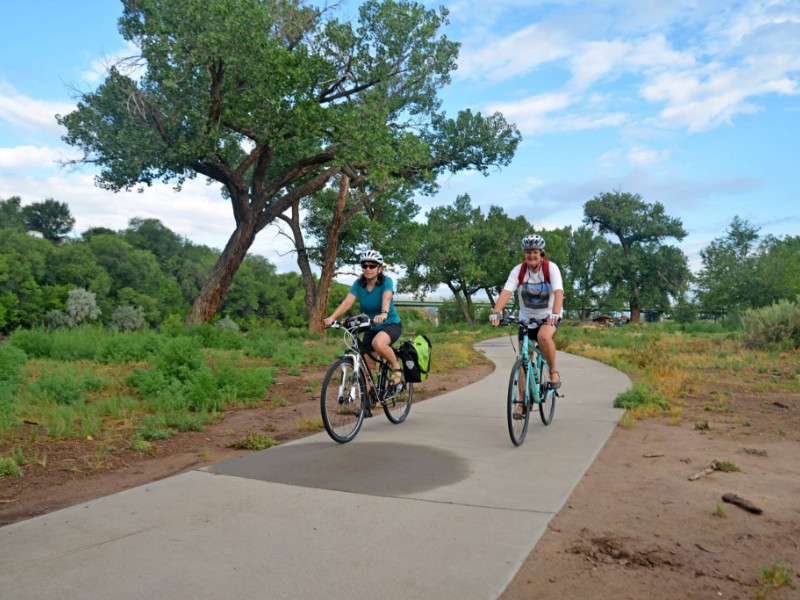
(702, 425)
(772, 577)
(726, 466)
(9, 467)
(640, 396)
(143, 446)
(309, 424)
(253, 441)
(278, 401)
(627, 421)
(720, 509)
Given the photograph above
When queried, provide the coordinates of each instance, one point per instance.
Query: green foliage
(776, 326)
(67, 385)
(641, 396)
(128, 347)
(642, 270)
(773, 577)
(127, 318)
(81, 307)
(12, 360)
(50, 218)
(227, 324)
(254, 441)
(9, 467)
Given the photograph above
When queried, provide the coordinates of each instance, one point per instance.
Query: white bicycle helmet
(533, 241)
(372, 256)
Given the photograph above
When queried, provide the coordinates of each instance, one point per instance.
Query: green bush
(81, 306)
(36, 343)
(129, 347)
(640, 396)
(776, 326)
(127, 318)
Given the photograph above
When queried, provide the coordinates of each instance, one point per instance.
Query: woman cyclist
(375, 292)
(541, 297)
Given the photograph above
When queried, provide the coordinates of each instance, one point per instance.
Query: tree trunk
(470, 311)
(219, 281)
(635, 313)
(316, 297)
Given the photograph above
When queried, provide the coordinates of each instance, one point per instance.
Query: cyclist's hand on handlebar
(379, 318)
(494, 319)
(328, 321)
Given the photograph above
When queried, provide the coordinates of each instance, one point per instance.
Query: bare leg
(382, 344)
(548, 348)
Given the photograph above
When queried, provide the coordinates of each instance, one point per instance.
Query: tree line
(619, 258)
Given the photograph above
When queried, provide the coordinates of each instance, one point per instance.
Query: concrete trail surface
(440, 507)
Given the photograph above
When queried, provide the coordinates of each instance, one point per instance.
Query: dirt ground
(635, 527)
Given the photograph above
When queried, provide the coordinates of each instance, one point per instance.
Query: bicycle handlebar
(512, 320)
(354, 323)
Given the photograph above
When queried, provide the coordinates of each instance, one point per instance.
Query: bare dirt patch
(637, 526)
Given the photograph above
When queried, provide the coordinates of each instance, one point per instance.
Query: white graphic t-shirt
(536, 297)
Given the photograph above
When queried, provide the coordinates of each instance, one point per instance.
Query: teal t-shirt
(371, 302)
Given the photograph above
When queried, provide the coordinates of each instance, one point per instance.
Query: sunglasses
(369, 266)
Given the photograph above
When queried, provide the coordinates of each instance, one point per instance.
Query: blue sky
(694, 104)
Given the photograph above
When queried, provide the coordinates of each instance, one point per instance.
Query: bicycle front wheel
(398, 407)
(547, 406)
(517, 409)
(342, 401)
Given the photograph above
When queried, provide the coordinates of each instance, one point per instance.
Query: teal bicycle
(528, 386)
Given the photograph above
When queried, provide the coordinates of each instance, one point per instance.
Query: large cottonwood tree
(275, 101)
(642, 268)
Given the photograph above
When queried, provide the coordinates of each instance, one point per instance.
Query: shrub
(56, 319)
(227, 324)
(36, 343)
(127, 318)
(776, 326)
(11, 361)
(640, 396)
(82, 306)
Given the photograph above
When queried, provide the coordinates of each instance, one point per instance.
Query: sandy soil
(635, 527)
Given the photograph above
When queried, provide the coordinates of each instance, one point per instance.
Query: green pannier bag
(415, 355)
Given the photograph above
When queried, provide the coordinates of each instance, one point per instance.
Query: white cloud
(640, 156)
(703, 100)
(517, 54)
(21, 112)
(30, 157)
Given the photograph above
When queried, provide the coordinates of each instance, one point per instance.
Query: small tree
(81, 307)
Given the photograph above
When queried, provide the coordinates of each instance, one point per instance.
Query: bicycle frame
(528, 385)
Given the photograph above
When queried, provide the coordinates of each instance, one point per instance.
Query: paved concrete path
(440, 507)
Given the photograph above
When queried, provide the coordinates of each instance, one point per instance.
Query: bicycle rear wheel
(398, 407)
(517, 409)
(342, 401)
(547, 406)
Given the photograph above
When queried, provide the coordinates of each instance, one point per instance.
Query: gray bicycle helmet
(532, 242)
(372, 256)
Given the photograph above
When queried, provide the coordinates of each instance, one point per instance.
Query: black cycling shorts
(393, 330)
(533, 334)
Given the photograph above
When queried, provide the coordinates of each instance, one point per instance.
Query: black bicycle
(350, 391)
